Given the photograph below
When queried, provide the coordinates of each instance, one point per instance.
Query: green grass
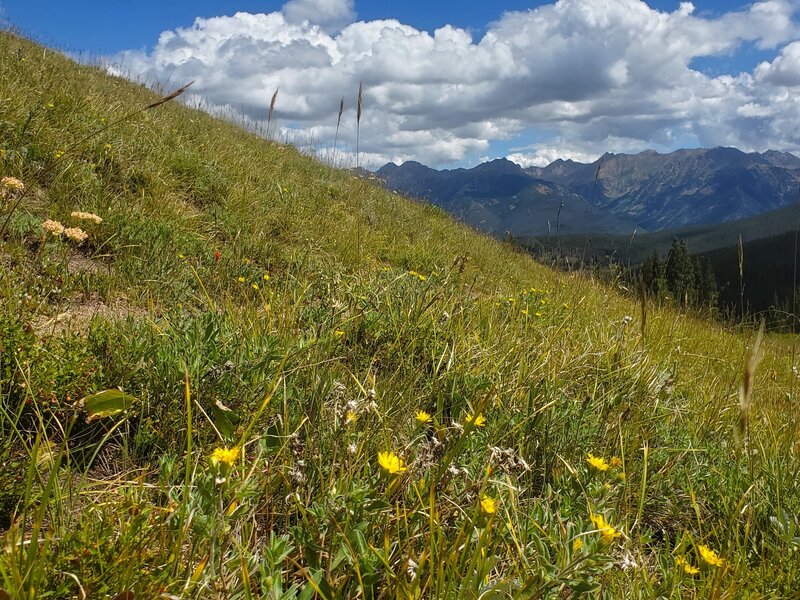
(315, 369)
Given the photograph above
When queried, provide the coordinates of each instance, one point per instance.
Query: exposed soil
(77, 317)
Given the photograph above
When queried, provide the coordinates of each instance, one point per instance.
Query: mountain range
(616, 194)
(499, 197)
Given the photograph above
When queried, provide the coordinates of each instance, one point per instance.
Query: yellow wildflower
(241, 280)
(488, 505)
(255, 286)
(86, 216)
(225, 456)
(616, 461)
(390, 463)
(266, 276)
(577, 544)
(338, 333)
(54, 227)
(423, 417)
(351, 417)
(608, 532)
(597, 462)
(476, 420)
(76, 234)
(688, 568)
(709, 556)
(538, 314)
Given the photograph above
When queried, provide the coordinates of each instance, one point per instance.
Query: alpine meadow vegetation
(228, 370)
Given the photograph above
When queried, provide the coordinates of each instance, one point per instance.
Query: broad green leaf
(107, 404)
(224, 419)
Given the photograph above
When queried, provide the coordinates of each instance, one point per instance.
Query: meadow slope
(331, 391)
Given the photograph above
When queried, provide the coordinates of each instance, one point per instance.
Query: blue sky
(532, 80)
(107, 27)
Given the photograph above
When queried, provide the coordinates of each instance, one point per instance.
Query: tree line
(686, 279)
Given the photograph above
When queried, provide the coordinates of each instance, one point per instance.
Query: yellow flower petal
(608, 532)
(390, 463)
(488, 505)
(476, 420)
(709, 556)
(597, 462)
(423, 417)
(225, 456)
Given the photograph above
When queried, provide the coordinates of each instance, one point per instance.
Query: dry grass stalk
(746, 390)
(643, 306)
(336, 135)
(169, 97)
(271, 108)
(597, 173)
(358, 115)
(358, 131)
(741, 277)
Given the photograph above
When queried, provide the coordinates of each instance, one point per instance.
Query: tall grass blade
(358, 117)
(746, 391)
(740, 248)
(271, 109)
(336, 135)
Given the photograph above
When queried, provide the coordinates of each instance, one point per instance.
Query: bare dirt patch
(77, 317)
(78, 263)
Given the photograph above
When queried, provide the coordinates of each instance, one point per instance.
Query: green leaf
(357, 541)
(107, 404)
(224, 419)
(272, 439)
(583, 586)
(316, 585)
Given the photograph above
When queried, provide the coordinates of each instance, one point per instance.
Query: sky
(452, 83)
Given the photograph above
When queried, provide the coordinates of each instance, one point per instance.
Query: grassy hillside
(330, 391)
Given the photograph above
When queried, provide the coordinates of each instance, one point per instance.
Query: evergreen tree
(653, 275)
(647, 272)
(707, 283)
(697, 299)
(680, 272)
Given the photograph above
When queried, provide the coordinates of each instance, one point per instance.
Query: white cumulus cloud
(784, 70)
(328, 14)
(585, 76)
(544, 155)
